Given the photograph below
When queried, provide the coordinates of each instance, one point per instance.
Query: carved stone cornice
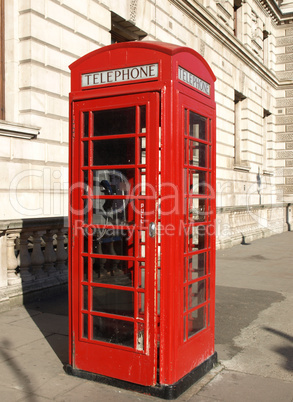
(207, 21)
(276, 13)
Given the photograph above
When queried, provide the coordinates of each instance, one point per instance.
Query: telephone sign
(193, 80)
(142, 217)
(120, 75)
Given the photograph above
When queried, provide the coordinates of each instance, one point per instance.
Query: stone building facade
(249, 46)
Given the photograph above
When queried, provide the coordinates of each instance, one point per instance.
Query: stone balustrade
(33, 257)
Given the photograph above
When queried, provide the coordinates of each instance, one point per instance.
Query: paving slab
(266, 344)
(16, 314)
(12, 394)
(265, 264)
(47, 323)
(232, 386)
(254, 338)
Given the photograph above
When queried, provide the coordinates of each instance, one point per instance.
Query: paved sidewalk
(254, 338)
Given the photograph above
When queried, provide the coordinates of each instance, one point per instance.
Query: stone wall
(249, 59)
(42, 38)
(284, 106)
(244, 225)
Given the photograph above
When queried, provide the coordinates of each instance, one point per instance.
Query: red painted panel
(169, 280)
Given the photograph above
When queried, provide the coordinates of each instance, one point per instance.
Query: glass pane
(141, 304)
(197, 154)
(85, 242)
(85, 153)
(141, 246)
(196, 266)
(142, 160)
(196, 238)
(113, 212)
(113, 272)
(85, 297)
(85, 326)
(196, 294)
(113, 301)
(113, 331)
(196, 321)
(85, 211)
(197, 126)
(140, 336)
(114, 121)
(185, 121)
(85, 269)
(86, 124)
(85, 182)
(113, 182)
(120, 151)
(142, 128)
(141, 278)
(111, 241)
(197, 210)
(197, 183)
(142, 186)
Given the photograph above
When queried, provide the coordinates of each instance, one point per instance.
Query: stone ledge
(18, 130)
(34, 223)
(245, 208)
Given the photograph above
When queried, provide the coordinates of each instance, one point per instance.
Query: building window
(266, 47)
(2, 61)
(237, 18)
(124, 31)
(266, 135)
(238, 102)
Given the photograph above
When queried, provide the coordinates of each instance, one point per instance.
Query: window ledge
(18, 130)
(243, 168)
(267, 173)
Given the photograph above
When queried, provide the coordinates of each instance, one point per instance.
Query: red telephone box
(142, 217)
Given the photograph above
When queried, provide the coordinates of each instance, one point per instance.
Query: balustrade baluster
(49, 253)
(24, 257)
(37, 257)
(13, 278)
(61, 252)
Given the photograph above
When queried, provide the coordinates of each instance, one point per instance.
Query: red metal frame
(175, 97)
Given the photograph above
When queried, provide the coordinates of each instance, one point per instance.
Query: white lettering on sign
(193, 80)
(120, 75)
(142, 213)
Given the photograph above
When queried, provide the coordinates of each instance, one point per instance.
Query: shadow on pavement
(286, 351)
(52, 321)
(20, 375)
(236, 308)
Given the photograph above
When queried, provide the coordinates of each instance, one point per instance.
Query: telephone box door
(114, 275)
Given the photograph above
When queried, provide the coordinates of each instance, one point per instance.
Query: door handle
(152, 229)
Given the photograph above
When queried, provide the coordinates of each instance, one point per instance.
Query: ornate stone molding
(206, 20)
(34, 255)
(278, 16)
